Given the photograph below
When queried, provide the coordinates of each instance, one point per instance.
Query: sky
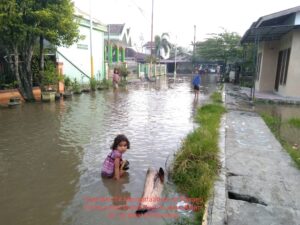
(178, 17)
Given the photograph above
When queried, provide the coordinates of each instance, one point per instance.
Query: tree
(220, 47)
(162, 43)
(23, 23)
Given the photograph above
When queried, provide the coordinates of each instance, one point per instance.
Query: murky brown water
(284, 112)
(51, 154)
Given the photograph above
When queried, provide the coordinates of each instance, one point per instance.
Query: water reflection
(38, 177)
(116, 190)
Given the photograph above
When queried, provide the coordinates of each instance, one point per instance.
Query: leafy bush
(124, 72)
(50, 74)
(93, 84)
(67, 81)
(104, 84)
(76, 87)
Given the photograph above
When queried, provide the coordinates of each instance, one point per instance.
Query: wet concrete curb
(258, 183)
(215, 213)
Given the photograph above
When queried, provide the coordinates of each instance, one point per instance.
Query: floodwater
(51, 153)
(284, 112)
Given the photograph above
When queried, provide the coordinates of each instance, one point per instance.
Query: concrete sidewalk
(261, 185)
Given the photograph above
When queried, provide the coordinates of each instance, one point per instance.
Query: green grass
(104, 84)
(196, 165)
(216, 97)
(274, 124)
(295, 122)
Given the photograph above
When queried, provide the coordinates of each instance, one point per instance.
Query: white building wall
(297, 18)
(79, 54)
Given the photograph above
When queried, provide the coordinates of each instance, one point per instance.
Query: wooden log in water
(153, 188)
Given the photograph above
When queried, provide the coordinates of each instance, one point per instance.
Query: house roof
(116, 29)
(85, 15)
(139, 57)
(148, 45)
(272, 26)
(119, 34)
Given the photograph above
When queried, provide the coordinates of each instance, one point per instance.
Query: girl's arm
(117, 168)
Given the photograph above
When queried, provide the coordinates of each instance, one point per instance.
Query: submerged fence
(138, 70)
(144, 70)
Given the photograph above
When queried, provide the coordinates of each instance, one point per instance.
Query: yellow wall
(268, 66)
(267, 76)
(292, 87)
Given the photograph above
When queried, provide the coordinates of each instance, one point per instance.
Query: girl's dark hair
(118, 140)
(116, 70)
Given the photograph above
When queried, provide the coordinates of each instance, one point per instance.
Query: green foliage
(104, 84)
(196, 164)
(11, 85)
(216, 97)
(249, 51)
(67, 81)
(76, 87)
(51, 76)
(162, 42)
(93, 84)
(220, 47)
(274, 123)
(124, 72)
(295, 122)
(22, 23)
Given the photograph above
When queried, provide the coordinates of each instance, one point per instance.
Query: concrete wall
(297, 18)
(267, 74)
(270, 51)
(5, 95)
(79, 54)
(292, 87)
(285, 43)
(257, 81)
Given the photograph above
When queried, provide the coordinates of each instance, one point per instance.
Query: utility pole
(151, 43)
(194, 46)
(175, 66)
(91, 41)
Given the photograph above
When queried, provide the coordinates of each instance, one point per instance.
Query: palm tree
(162, 43)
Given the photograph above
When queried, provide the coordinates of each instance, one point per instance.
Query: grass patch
(196, 165)
(295, 122)
(104, 84)
(216, 97)
(274, 123)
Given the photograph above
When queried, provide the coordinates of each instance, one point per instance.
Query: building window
(258, 65)
(284, 58)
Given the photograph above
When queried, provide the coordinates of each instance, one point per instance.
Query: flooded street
(51, 154)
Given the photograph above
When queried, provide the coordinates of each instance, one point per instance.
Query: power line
(139, 8)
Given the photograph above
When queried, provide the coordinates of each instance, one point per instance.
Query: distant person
(114, 166)
(116, 78)
(196, 83)
(218, 70)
